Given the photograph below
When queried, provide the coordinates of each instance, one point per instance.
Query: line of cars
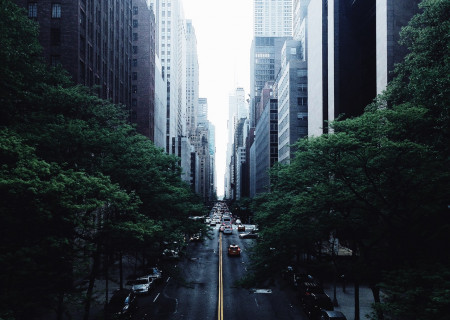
(315, 302)
(124, 301)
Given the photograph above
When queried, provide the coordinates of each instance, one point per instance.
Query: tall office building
(202, 110)
(192, 79)
(351, 49)
(204, 154)
(212, 162)
(266, 141)
(292, 100)
(237, 109)
(272, 25)
(170, 47)
(91, 40)
(143, 69)
(272, 18)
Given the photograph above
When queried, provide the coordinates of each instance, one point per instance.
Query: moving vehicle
(227, 230)
(226, 220)
(241, 227)
(122, 304)
(234, 250)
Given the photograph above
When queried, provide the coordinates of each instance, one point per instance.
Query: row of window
(33, 12)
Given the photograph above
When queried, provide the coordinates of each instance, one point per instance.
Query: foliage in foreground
(79, 187)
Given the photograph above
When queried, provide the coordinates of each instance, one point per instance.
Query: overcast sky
(224, 35)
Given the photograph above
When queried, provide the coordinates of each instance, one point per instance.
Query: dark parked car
(122, 304)
(332, 315)
(314, 299)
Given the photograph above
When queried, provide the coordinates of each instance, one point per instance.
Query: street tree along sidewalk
(79, 187)
(379, 183)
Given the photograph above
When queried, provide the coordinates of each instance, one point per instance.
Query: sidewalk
(346, 300)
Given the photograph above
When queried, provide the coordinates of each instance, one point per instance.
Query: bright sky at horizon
(224, 35)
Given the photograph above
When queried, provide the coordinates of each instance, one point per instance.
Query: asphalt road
(203, 286)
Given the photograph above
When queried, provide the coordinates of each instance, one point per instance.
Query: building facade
(272, 18)
(292, 100)
(351, 48)
(91, 40)
(143, 69)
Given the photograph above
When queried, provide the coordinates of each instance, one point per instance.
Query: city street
(195, 292)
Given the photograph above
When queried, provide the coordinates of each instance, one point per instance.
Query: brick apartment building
(91, 39)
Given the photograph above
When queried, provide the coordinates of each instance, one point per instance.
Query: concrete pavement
(346, 300)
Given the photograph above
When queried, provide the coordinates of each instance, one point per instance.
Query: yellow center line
(220, 299)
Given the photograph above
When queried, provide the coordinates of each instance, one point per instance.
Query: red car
(234, 250)
(241, 227)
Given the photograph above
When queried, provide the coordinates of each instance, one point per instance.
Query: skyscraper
(170, 47)
(272, 26)
(352, 49)
(143, 69)
(192, 79)
(272, 18)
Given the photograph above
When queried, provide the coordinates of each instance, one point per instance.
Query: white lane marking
(156, 298)
(256, 301)
(167, 279)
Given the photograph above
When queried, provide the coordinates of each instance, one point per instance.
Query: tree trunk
(60, 308)
(376, 298)
(90, 289)
(357, 300)
(121, 270)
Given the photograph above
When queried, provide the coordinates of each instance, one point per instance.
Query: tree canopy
(379, 183)
(77, 182)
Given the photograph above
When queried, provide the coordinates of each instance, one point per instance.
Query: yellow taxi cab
(234, 250)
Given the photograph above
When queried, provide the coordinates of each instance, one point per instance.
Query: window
(302, 115)
(135, 36)
(135, 49)
(56, 10)
(134, 62)
(302, 73)
(32, 10)
(135, 10)
(134, 89)
(55, 36)
(135, 23)
(134, 76)
(302, 101)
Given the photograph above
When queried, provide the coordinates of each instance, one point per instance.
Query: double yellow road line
(220, 299)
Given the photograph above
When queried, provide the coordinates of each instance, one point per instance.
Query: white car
(142, 285)
(227, 230)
